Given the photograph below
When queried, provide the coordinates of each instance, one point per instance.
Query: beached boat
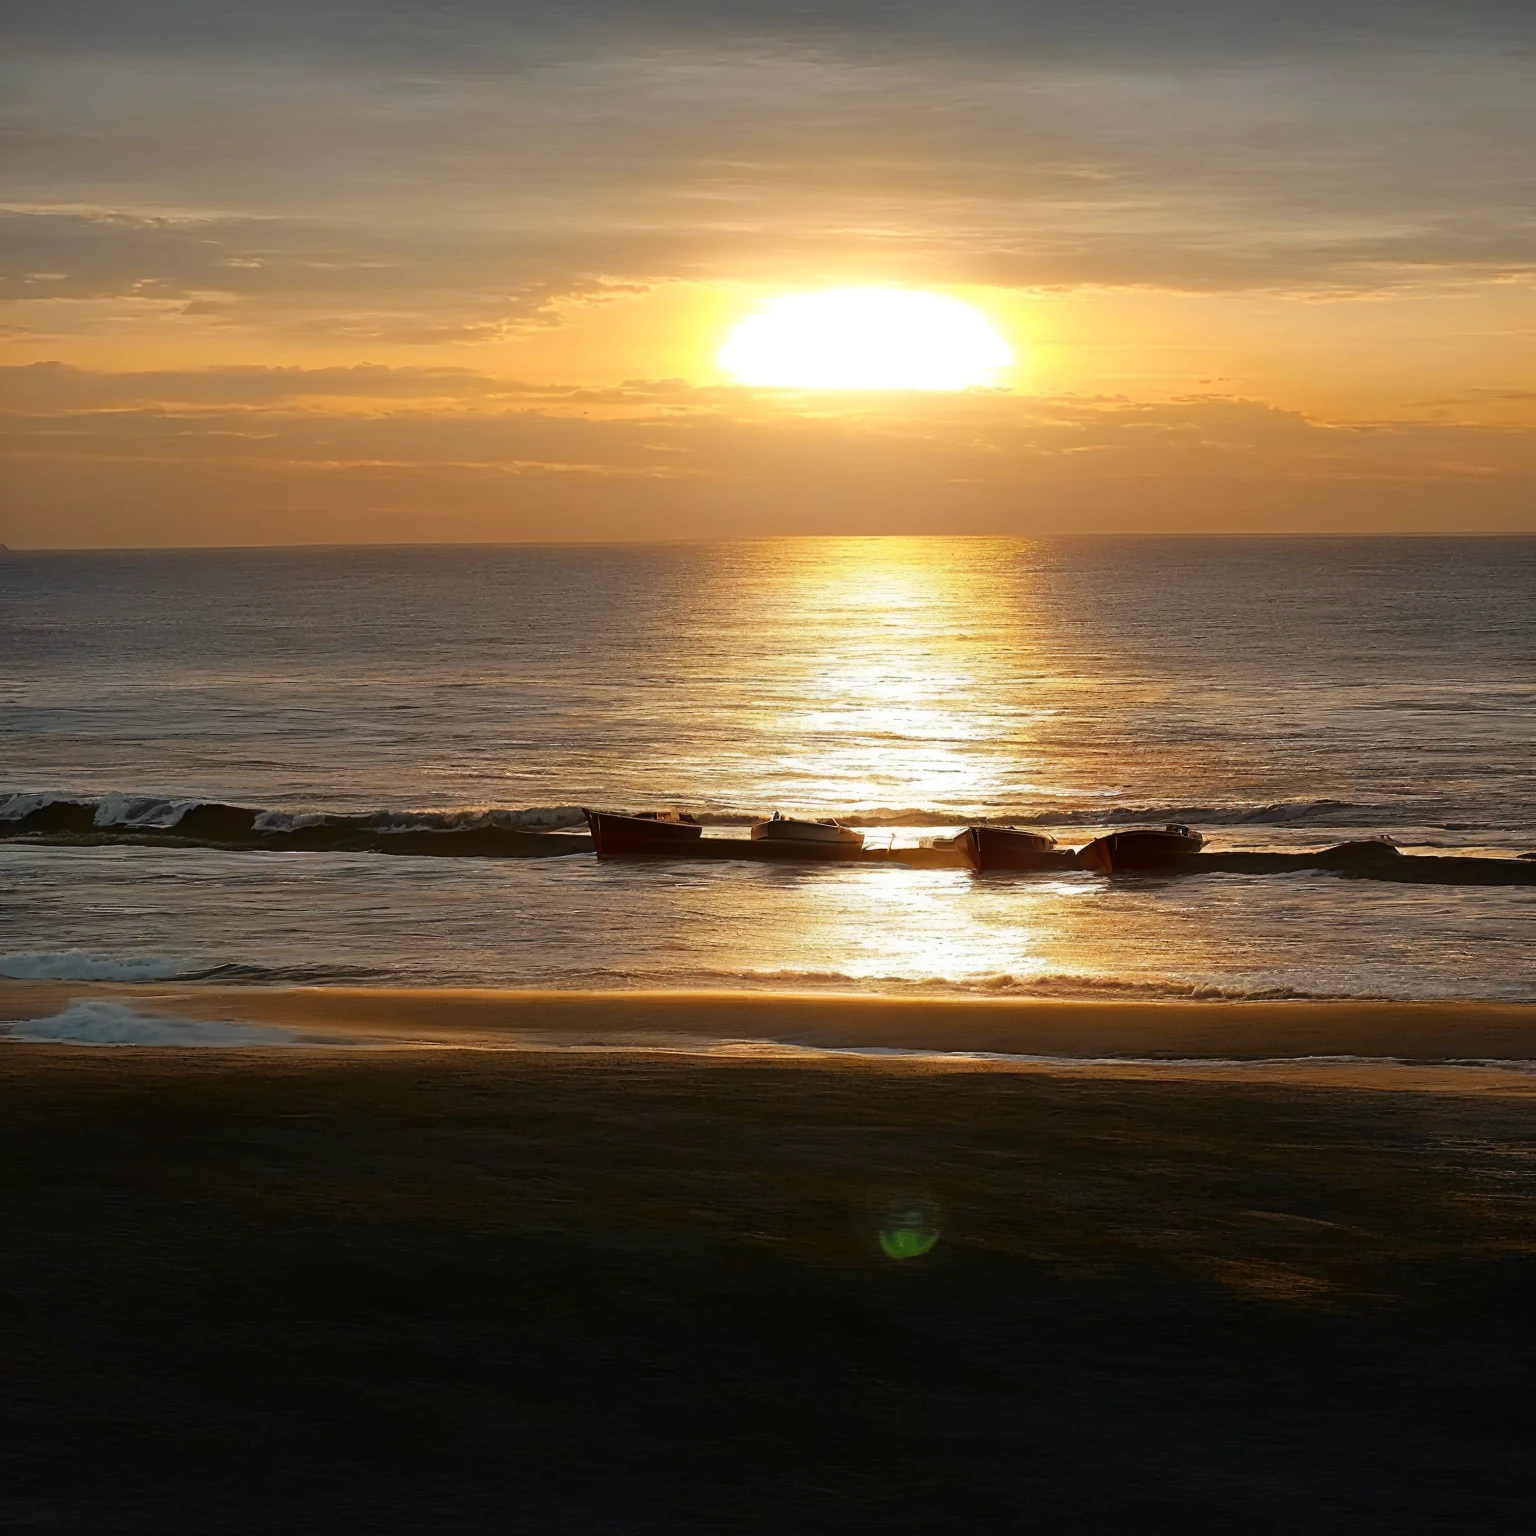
(1140, 848)
(648, 836)
(987, 848)
(817, 834)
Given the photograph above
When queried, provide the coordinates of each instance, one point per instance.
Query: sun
(865, 338)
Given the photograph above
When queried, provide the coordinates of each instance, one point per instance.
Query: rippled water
(1278, 692)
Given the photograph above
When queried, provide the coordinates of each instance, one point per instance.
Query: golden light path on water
(907, 684)
(912, 927)
(904, 671)
(908, 673)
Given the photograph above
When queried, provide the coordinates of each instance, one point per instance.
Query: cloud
(487, 33)
(305, 275)
(338, 454)
(45, 388)
(343, 179)
(396, 172)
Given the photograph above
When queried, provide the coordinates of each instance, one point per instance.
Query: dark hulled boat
(987, 848)
(640, 837)
(1140, 848)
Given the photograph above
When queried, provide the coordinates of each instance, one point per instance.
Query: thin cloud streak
(475, 457)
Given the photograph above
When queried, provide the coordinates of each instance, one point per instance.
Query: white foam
(19, 806)
(119, 810)
(83, 965)
(1039, 984)
(548, 818)
(89, 1022)
(535, 818)
(769, 1049)
(286, 821)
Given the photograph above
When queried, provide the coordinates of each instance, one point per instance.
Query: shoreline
(1358, 1039)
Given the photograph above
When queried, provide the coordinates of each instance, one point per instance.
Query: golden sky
(352, 270)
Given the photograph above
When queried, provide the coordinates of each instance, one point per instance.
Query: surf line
(72, 823)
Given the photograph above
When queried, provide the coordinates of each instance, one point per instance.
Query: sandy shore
(1424, 1034)
(438, 1290)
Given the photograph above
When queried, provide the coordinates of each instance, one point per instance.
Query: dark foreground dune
(468, 1291)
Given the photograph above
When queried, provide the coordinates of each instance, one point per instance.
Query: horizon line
(762, 538)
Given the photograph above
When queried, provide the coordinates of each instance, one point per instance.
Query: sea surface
(1278, 694)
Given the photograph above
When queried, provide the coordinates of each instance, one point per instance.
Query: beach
(630, 1290)
(1371, 1036)
(352, 1184)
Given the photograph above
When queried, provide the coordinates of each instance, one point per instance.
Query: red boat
(640, 837)
(987, 848)
(1140, 848)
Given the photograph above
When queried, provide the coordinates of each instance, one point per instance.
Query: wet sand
(531, 1291)
(1246, 1031)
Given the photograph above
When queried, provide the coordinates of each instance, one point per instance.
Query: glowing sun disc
(865, 338)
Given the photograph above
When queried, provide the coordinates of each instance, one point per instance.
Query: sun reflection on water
(905, 670)
(894, 925)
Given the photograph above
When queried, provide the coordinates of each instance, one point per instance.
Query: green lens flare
(907, 1242)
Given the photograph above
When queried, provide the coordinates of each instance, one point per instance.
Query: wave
(160, 819)
(1278, 813)
(1257, 1065)
(91, 1022)
(58, 812)
(86, 965)
(1045, 984)
(238, 973)
(91, 965)
(544, 832)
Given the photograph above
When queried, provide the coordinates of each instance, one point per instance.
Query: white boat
(786, 829)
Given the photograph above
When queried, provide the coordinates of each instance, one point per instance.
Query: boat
(651, 835)
(818, 834)
(985, 848)
(1140, 848)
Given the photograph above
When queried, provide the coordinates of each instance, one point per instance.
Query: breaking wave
(546, 832)
(1062, 985)
(91, 1022)
(1279, 813)
(490, 831)
(1258, 1066)
(159, 819)
(90, 965)
(84, 965)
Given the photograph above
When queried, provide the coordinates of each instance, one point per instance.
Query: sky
(381, 271)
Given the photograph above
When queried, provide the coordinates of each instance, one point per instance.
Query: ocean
(1275, 693)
